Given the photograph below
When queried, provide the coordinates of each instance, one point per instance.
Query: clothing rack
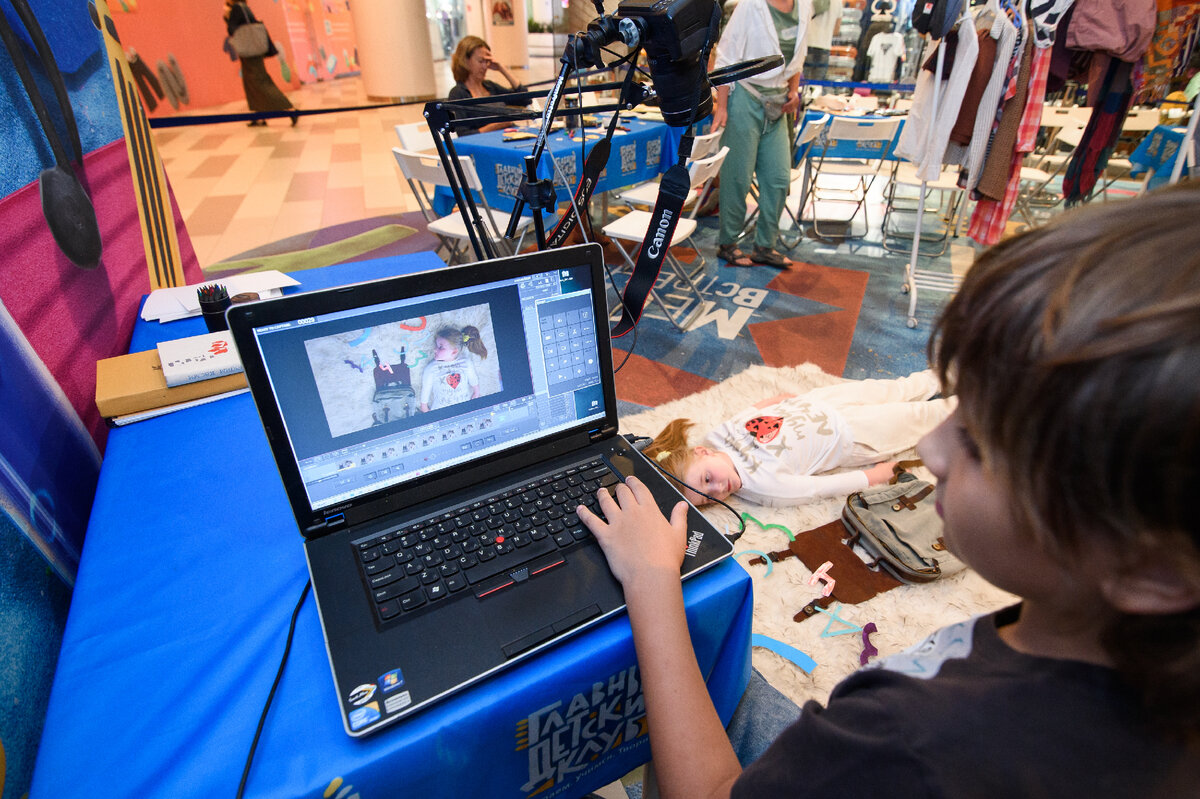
(926, 278)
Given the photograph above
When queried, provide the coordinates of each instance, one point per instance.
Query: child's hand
(637, 539)
(880, 472)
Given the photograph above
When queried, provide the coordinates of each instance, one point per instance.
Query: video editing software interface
(380, 395)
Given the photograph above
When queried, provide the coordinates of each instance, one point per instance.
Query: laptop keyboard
(483, 547)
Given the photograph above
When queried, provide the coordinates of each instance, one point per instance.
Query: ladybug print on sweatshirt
(764, 428)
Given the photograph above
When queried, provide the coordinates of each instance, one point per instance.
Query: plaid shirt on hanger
(990, 216)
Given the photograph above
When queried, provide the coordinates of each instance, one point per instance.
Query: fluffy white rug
(903, 615)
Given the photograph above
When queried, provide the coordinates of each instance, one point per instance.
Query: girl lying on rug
(776, 452)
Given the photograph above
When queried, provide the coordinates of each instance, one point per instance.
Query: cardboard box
(134, 383)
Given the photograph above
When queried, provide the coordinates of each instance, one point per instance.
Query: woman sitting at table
(470, 64)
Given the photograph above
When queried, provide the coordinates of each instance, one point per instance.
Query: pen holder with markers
(214, 299)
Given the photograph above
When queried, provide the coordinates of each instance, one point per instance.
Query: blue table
(644, 151)
(190, 570)
(1156, 155)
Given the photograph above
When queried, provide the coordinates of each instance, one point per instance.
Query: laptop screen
(378, 395)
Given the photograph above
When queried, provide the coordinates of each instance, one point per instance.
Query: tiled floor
(240, 187)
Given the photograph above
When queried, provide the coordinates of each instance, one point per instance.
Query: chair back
(424, 173)
(1140, 120)
(701, 174)
(808, 134)
(1065, 116)
(415, 137)
(873, 140)
(861, 130)
(706, 144)
(1071, 135)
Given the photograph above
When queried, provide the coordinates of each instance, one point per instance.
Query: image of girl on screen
(450, 377)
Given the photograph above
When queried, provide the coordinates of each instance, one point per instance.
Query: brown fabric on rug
(855, 581)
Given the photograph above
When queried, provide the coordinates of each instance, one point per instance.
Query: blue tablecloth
(190, 571)
(1156, 153)
(641, 153)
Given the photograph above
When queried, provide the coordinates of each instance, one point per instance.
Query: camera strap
(672, 193)
(592, 167)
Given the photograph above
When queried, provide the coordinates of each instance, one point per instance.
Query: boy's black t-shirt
(964, 715)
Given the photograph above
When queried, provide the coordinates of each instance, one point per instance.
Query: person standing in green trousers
(753, 114)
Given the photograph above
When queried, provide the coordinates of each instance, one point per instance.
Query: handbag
(898, 526)
(250, 40)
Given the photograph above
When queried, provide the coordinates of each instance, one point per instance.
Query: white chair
(701, 173)
(807, 139)
(1039, 170)
(633, 227)
(424, 173)
(415, 137)
(939, 220)
(706, 144)
(644, 194)
(847, 180)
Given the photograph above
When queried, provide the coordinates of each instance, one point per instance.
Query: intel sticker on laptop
(362, 716)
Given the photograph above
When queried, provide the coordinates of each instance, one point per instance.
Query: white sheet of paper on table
(180, 302)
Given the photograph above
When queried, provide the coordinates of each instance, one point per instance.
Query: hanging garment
(885, 55)
(988, 114)
(1101, 134)
(872, 29)
(926, 132)
(1121, 28)
(981, 75)
(1046, 16)
(990, 216)
(997, 166)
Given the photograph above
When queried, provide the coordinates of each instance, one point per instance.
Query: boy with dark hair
(1066, 475)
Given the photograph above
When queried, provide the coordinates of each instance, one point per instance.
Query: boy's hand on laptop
(637, 540)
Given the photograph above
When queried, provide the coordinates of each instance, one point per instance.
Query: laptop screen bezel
(243, 319)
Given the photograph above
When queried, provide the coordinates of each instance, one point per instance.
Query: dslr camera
(673, 34)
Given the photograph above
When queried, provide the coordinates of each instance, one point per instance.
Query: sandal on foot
(733, 256)
(769, 257)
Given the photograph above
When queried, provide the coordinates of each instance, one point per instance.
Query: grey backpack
(898, 526)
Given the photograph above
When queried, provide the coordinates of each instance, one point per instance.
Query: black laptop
(435, 433)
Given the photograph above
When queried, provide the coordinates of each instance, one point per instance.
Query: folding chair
(847, 179)
(1040, 170)
(806, 139)
(633, 226)
(945, 212)
(701, 173)
(424, 173)
(1030, 187)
